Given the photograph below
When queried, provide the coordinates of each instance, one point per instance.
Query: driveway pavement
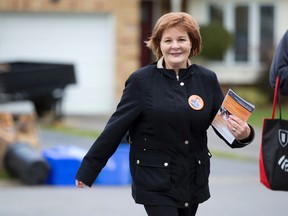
(234, 185)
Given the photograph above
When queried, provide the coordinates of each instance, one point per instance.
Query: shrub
(215, 41)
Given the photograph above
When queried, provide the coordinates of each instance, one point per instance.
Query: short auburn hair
(180, 20)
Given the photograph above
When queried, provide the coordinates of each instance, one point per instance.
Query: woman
(279, 66)
(167, 108)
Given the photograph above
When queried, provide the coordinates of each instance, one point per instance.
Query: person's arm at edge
(279, 65)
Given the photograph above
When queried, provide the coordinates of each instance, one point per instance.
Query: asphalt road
(234, 185)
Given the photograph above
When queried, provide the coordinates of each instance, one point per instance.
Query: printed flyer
(231, 105)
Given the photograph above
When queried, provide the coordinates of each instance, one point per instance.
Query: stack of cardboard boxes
(20, 128)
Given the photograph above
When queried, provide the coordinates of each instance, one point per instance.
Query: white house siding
(281, 23)
(228, 70)
(85, 40)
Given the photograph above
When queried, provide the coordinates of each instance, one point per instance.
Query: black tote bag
(273, 159)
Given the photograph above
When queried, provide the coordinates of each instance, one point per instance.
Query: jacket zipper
(177, 77)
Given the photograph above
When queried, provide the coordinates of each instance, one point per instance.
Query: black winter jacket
(169, 158)
(279, 65)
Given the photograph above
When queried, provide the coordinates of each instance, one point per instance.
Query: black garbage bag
(27, 164)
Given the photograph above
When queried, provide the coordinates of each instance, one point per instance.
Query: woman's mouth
(176, 54)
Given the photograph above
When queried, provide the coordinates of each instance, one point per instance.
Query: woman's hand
(79, 184)
(238, 128)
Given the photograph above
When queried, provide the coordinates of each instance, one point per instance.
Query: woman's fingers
(79, 184)
(238, 128)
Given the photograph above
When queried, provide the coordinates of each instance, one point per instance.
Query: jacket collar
(161, 61)
(183, 73)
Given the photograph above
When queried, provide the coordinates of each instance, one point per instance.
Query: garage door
(85, 40)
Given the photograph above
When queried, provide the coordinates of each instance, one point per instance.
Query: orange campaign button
(195, 102)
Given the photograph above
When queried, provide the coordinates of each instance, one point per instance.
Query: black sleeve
(239, 143)
(104, 147)
(218, 96)
(279, 65)
(218, 99)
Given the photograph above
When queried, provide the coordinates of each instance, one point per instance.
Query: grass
(265, 112)
(228, 155)
(4, 174)
(71, 131)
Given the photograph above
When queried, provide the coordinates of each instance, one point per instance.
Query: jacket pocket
(202, 168)
(152, 171)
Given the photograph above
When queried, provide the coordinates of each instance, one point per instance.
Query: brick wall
(126, 13)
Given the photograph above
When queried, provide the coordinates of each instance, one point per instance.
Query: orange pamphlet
(231, 105)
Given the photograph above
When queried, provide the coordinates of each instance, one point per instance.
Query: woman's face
(175, 46)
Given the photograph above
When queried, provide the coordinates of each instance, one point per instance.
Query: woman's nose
(175, 44)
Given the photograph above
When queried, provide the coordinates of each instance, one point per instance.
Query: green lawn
(71, 131)
(265, 112)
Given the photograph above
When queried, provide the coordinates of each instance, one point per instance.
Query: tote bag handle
(275, 99)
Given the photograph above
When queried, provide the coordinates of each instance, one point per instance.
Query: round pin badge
(195, 102)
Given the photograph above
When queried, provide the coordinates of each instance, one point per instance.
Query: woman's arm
(106, 144)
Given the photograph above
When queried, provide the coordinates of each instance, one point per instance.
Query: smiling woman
(166, 108)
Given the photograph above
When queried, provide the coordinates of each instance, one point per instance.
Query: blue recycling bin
(64, 162)
(116, 171)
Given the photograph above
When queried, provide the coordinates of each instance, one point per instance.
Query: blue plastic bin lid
(65, 152)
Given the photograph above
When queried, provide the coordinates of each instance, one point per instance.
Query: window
(241, 33)
(252, 44)
(266, 32)
(216, 13)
